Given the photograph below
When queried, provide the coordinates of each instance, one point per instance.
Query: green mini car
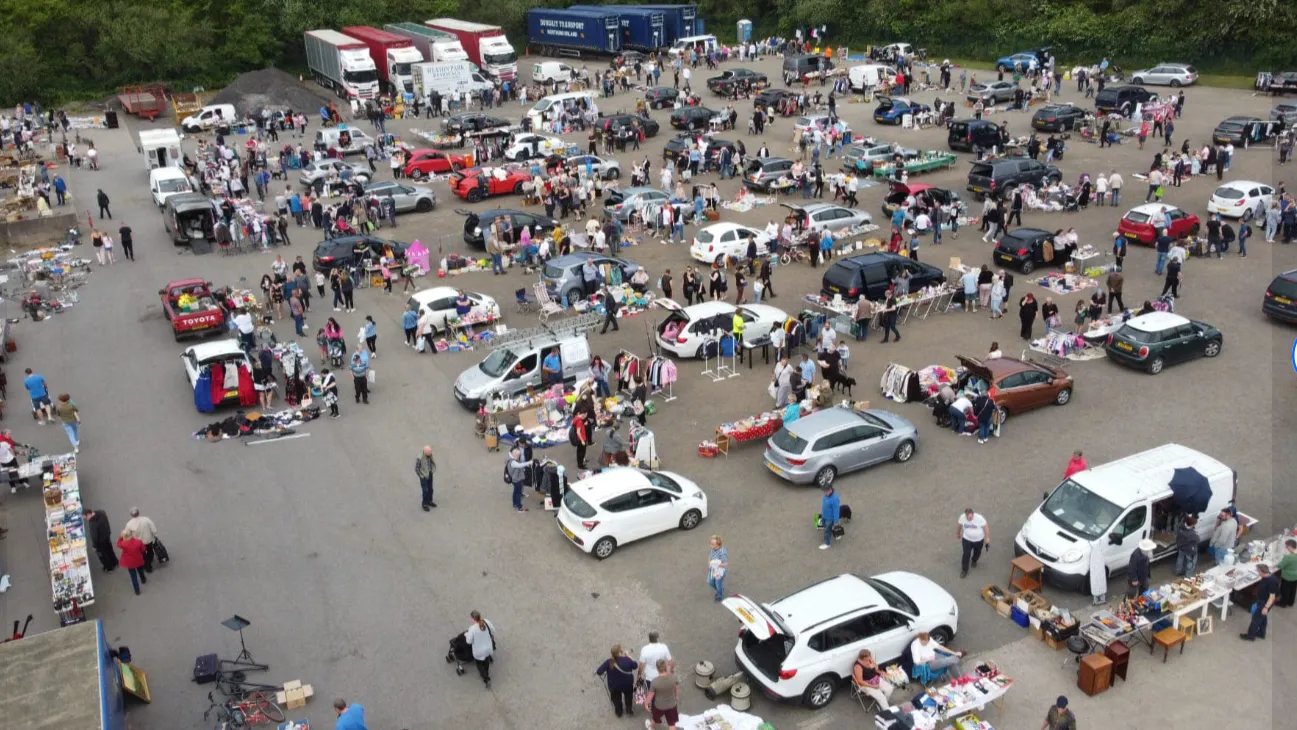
(1153, 341)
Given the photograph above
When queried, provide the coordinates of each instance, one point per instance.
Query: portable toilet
(744, 31)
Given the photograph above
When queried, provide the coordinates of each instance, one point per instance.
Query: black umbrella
(1191, 489)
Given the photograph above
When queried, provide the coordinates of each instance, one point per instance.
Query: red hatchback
(423, 163)
(1140, 224)
(479, 183)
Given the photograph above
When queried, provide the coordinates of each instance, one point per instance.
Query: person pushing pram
(476, 645)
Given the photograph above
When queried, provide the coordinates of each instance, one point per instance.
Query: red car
(1141, 223)
(478, 183)
(423, 163)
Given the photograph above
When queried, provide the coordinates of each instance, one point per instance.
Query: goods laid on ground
(973, 692)
(1069, 345)
(1061, 282)
(69, 545)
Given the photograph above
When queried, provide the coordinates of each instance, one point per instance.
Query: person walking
(1115, 184)
(610, 307)
(329, 387)
(360, 373)
(298, 312)
(410, 324)
(1027, 309)
(1267, 591)
(515, 470)
(128, 241)
(350, 716)
(39, 393)
(618, 671)
(1186, 545)
(481, 637)
(70, 415)
(718, 564)
(830, 514)
(424, 468)
(370, 332)
(100, 535)
(348, 291)
(974, 534)
(889, 318)
(102, 199)
(143, 528)
(1116, 280)
(664, 697)
(1059, 717)
(1172, 279)
(133, 558)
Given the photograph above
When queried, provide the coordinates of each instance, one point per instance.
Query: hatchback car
(1286, 113)
(408, 198)
(1140, 223)
(476, 221)
(605, 167)
(348, 251)
(1025, 249)
(802, 647)
(1058, 118)
(474, 122)
(815, 449)
(828, 217)
(686, 330)
(862, 158)
(615, 123)
(892, 109)
(562, 275)
(772, 98)
(901, 192)
(315, 174)
(607, 510)
(721, 241)
(1243, 199)
(478, 183)
(993, 92)
(1018, 61)
(1280, 300)
(815, 121)
(763, 172)
(678, 147)
(621, 204)
(227, 353)
(1246, 130)
(1153, 341)
(661, 97)
(1018, 385)
(423, 163)
(439, 303)
(1166, 74)
(693, 117)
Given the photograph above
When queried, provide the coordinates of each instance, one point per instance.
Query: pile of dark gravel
(270, 87)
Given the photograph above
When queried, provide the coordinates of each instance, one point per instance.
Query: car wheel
(1053, 179)
(1155, 366)
(1064, 397)
(1247, 216)
(416, 175)
(574, 295)
(690, 519)
(824, 477)
(942, 635)
(1004, 414)
(1194, 231)
(1028, 267)
(720, 260)
(614, 173)
(1125, 109)
(423, 206)
(820, 692)
(604, 548)
(474, 196)
(1138, 80)
(1212, 349)
(904, 452)
(1175, 83)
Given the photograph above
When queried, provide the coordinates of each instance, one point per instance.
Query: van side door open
(1124, 538)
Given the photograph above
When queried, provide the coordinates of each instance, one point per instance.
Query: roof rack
(559, 329)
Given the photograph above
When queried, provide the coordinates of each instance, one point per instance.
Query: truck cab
(192, 309)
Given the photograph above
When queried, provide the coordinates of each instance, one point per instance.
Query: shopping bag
(773, 390)
(370, 376)
(160, 551)
(421, 345)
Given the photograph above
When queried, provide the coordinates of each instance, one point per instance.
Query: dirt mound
(270, 87)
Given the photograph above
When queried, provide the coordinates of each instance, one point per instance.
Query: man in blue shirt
(360, 373)
(350, 717)
(552, 368)
(830, 508)
(898, 217)
(807, 368)
(40, 395)
(60, 189)
(1163, 244)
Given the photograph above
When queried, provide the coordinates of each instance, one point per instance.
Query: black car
(965, 135)
(772, 98)
(1122, 99)
(629, 58)
(616, 122)
(476, 221)
(870, 275)
(1245, 130)
(1058, 118)
(935, 196)
(350, 251)
(727, 81)
(1001, 176)
(1280, 301)
(474, 122)
(679, 147)
(1026, 248)
(692, 117)
(661, 97)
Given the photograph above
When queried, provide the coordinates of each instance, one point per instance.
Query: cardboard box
(992, 593)
(1004, 609)
(1037, 632)
(294, 699)
(1053, 643)
(295, 684)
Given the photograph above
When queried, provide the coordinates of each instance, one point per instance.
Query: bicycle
(254, 709)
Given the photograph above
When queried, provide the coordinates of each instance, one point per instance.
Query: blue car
(1018, 61)
(891, 109)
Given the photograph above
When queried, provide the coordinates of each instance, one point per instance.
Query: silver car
(819, 447)
(995, 92)
(408, 198)
(605, 167)
(631, 199)
(316, 173)
(862, 158)
(1166, 74)
(828, 217)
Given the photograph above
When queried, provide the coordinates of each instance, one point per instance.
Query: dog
(840, 381)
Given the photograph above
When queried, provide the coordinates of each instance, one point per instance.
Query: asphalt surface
(351, 588)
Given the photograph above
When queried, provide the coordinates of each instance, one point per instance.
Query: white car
(1244, 199)
(820, 121)
(621, 505)
(167, 181)
(719, 241)
(685, 331)
(802, 647)
(531, 146)
(439, 301)
(199, 358)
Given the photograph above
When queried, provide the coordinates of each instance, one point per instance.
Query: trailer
(574, 33)
(446, 78)
(143, 101)
(186, 103)
(679, 21)
(435, 45)
(485, 45)
(161, 148)
(641, 29)
(67, 679)
(392, 56)
(341, 63)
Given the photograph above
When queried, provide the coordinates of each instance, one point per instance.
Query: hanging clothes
(247, 390)
(232, 378)
(203, 393)
(217, 374)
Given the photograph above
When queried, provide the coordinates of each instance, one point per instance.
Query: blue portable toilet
(744, 31)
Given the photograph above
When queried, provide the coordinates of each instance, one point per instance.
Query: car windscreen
(662, 481)
(1286, 288)
(788, 441)
(1136, 217)
(174, 185)
(553, 272)
(1105, 96)
(1136, 335)
(577, 506)
(498, 362)
(1075, 508)
(1228, 193)
(894, 596)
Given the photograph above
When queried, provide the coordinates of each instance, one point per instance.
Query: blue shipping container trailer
(681, 21)
(641, 29)
(574, 32)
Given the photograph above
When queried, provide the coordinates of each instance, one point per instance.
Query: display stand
(731, 370)
(712, 371)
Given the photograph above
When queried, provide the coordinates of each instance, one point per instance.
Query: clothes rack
(729, 348)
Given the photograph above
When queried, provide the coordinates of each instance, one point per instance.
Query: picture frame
(1204, 626)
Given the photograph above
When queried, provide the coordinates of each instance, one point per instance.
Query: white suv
(802, 647)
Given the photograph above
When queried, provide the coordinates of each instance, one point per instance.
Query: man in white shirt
(828, 339)
(974, 534)
(243, 321)
(1176, 253)
(147, 532)
(960, 411)
(649, 656)
(934, 656)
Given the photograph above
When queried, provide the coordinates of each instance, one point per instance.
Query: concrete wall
(36, 231)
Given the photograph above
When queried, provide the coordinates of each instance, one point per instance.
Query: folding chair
(868, 703)
(547, 305)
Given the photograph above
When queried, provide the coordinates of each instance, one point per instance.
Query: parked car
(965, 135)
(802, 647)
(828, 217)
(228, 353)
(1140, 223)
(721, 241)
(461, 122)
(204, 318)
(1243, 199)
(408, 198)
(426, 162)
(1166, 74)
(870, 275)
(1285, 112)
(678, 147)
(815, 449)
(478, 183)
(693, 117)
(1021, 61)
(730, 78)
(1058, 118)
(1001, 176)
(622, 203)
(1280, 300)
(993, 92)
(1122, 99)
(630, 58)
(439, 303)
(1027, 248)
(607, 510)
(562, 275)
(763, 172)
(770, 99)
(1152, 341)
(661, 97)
(344, 251)
(615, 123)
(814, 121)
(315, 174)
(1016, 385)
(530, 146)
(902, 192)
(1245, 130)
(892, 109)
(476, 221)
(684, 331)
(863, 158)
(605, 167)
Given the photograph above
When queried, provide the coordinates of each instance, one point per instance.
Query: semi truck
(392, 55)
(446, 77)
(435, 45)
(485, 45)
(679, 21)
(341, 63)
(641, 29)
(583, 32)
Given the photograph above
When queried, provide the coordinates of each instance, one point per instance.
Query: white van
(1114, 506)
(209, 117)
(705, 44)
(541, 111)
(513, 368)
(348, 140)
(167, 181)
(869, 76)
(551, 71)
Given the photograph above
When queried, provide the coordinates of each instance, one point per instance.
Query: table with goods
(69, 545)
(946, 706)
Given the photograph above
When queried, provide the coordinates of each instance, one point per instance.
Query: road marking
(820, 720)
(260, 442)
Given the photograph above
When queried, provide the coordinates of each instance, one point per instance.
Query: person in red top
(133, 559)
(1075, 464)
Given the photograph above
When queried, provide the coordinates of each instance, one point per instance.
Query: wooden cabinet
(1095, 675)
(1119, 653)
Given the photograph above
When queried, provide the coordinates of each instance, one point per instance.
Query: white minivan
(551, 72)
(209, 117)
(541, 112)
(705, 43)
(347, 140)
(167, 181)
(1115, 506)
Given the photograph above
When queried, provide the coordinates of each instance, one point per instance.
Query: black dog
(841, 382)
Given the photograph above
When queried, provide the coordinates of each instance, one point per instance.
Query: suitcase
(207, 668)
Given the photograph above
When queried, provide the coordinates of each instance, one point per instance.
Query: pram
(460, 653)
(336, 353)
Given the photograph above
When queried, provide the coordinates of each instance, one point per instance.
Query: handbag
(160, 551)
(641, 694)
(370, 376)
